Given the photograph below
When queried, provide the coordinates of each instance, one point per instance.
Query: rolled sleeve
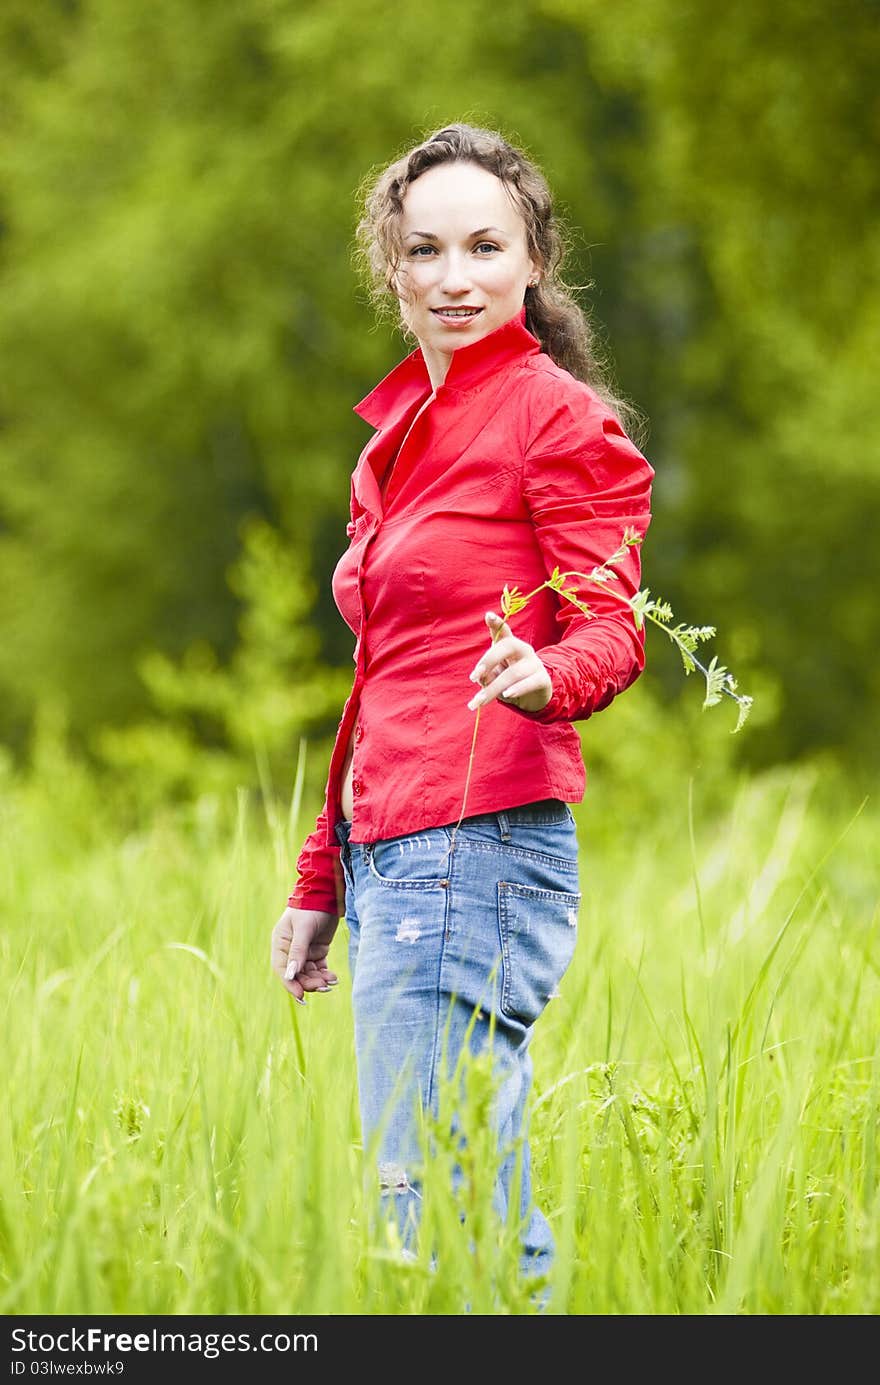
(585, 483)
(319, 871)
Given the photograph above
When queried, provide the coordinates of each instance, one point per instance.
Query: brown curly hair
(552, 313)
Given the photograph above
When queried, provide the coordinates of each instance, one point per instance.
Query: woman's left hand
(510, 669)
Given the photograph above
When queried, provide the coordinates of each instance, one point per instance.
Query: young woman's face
(465, 263)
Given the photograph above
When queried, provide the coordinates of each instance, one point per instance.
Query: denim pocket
(411, 863)
(538, 931)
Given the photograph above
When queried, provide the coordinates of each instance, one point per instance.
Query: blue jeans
(457, 952)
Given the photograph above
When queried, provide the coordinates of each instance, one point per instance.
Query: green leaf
(745, 707)
(716, 682)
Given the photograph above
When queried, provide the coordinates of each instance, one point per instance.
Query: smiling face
(465, 263)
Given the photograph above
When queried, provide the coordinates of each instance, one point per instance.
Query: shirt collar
(469, 368)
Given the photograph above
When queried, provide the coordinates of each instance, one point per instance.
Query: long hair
(552, 313)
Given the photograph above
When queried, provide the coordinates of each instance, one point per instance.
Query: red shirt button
(356, 787)
(358, 732)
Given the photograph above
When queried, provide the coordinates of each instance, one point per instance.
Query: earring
(533, 283)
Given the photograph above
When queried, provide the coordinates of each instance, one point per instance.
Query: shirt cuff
(319, 900)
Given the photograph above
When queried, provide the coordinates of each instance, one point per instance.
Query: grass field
(179, 1138)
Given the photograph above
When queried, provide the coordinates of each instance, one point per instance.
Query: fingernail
(300, 999)
(473, 704)
(322, 989)
(473, 677)
(290, 973)
(333, 983)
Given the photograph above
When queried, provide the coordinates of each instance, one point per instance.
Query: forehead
(457, 198)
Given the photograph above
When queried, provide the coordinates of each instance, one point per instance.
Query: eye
(486, 245)
(416, 252)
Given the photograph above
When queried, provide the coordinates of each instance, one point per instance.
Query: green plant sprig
(686, 638)
(719, 680)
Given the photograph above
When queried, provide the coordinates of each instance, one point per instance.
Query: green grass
(179, 1138)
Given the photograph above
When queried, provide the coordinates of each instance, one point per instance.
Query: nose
(455, 277)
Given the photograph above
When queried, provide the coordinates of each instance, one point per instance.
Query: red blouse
(510, 468)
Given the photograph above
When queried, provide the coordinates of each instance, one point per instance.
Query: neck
(437, 364)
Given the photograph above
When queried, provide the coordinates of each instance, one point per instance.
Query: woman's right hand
(300, 942)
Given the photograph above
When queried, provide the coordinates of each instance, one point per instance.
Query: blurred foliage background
(183, 337)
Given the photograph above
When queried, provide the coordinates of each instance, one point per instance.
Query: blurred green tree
(183, 336)
(217, 725)
(751, 273)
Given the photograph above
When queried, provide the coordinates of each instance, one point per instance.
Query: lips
(463, 313)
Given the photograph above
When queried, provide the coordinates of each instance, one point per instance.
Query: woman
(498, 456)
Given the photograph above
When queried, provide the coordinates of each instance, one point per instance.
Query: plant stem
(467, 781)
(687, 654)
(513, 601)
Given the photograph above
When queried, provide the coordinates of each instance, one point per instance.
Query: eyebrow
(429, 235)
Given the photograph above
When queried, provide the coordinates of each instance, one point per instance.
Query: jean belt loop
(504, 826)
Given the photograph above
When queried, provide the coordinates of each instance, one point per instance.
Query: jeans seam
(504, 934)
(537, 892)
(432, 1075)
(507, 849)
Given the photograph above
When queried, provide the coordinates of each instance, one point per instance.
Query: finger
(533, 683)
(294, 988)
(497, 624)
(498, 627)
(497, 654)
(305, 974)
(296, 960)
(280, 951)
(279, 958)
(489, 674)
(318, 984)
(313, 973)
(312, 981)
(506, 679)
